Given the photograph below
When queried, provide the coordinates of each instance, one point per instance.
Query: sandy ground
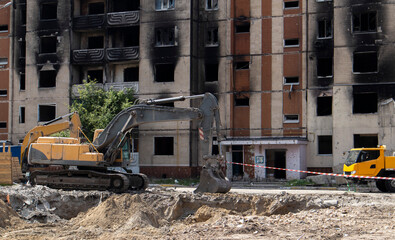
(165, 213)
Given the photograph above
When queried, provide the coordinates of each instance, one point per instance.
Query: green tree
(98, 107)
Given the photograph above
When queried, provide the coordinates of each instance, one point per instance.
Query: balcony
(88, 55)
(89, 22)
(119, 19)
(122, 54)
(116, 86)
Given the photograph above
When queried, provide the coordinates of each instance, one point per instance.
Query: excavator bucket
(213, 180)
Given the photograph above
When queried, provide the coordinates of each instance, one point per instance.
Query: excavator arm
(47, 129)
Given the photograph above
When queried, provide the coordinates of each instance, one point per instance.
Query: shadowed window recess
(365, 62)
(166, 36)
(365, 102)
(324, 106)
(49, 11)
(46, 112)
(324, 28)
(325, 145)
(164, 72)
(164, 145)
(47, 79)
(364, 22)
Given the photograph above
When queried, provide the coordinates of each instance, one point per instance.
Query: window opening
(47, 79)
(164, 72)
(131, 74)
(95, 75)
(23, 16)
(324, 29)
(365, 62)
(242, 65)
(131, 37)
(165, 37)
(324, 67)
(291, 4)
(242, 101)
(325, 145)
(291, 42)
(49, 11)
(3, 61)
(96, 8)
(3, 28)
(291, 80)
(365, 22)
(22, 82)
(164, 4)
(324, 106)
(212, 37)
(95, 42)
(365, 102)
(22, 49)
(21, 114)
(365, 140)
(46, 113)
(211, 72)
(211, 4)
(48, 44)
(164, 145)
(291, 118)
(3, 125)
(3, 92)
(243, 28)
(126, 5)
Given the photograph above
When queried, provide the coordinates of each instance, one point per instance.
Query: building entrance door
(276, 158)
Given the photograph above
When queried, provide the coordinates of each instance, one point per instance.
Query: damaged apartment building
(299, 82)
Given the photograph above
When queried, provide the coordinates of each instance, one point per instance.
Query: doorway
(276, 158)
(237, 157)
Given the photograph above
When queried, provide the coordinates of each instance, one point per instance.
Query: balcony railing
(89, 22)
(88, 55)
(98, 21)
(116, 86)
(122, 54)
(123, 18)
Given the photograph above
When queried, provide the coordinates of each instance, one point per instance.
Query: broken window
(95, 42)
(3, 125)
(242, 65)
(131, 37)
(324, 67)
(365, 102)
(3, 28)
(47, 79)
(211, 4)
(291, 80)
(3, 61)
(164, 4)
(126, 5)
(364, 22)
(324, 28)
(291, 42)
(164, 72)
(23, 16)
(49, 11)
(291, 4)
(131, 74)
(324, 144)
(243, 27)
(21, 114)
(95, 75)
(211, 72)
(324, 106)
(48, 44)
(96, 8)
(3, 92)
(365, 140)
(22, 82)
(164, 145)
(212, 37)
(46, 112)
(291, 118)
(165, 37)
(365, 62)
(22, 48)
(242, 101)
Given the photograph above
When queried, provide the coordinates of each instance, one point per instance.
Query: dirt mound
(8, 217)
(119, 212)
(207, 214)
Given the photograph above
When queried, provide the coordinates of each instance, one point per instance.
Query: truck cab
(364, 161)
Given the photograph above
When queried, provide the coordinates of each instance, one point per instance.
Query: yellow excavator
(83, 166)
(371, 162)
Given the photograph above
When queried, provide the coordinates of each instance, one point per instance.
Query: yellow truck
(371, 162)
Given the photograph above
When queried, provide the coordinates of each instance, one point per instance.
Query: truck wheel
(380, 184)
(390, 184)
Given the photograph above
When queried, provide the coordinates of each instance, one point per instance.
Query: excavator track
(89, 180)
